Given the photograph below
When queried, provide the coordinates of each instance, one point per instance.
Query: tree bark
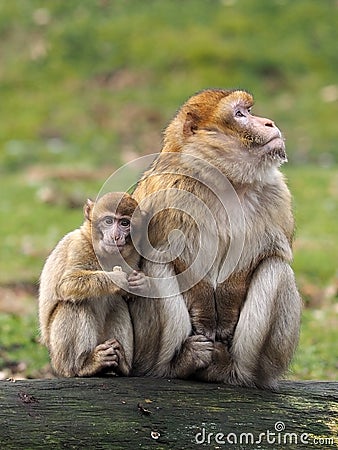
(146, 413)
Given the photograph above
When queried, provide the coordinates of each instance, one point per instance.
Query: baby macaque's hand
(119, 278)
(138, 283)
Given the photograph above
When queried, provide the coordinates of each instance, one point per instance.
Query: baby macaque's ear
(88, 208)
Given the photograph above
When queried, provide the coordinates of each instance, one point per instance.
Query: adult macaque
(224, 162)
(84, 316)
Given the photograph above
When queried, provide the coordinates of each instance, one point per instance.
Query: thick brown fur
(84, 316)
(254, 311)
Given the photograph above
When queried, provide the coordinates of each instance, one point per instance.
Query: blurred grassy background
(88, 85)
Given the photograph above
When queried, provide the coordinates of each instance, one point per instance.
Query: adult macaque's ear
(87, 209)
(190, 124)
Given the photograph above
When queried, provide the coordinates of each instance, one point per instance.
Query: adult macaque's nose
(266, 122)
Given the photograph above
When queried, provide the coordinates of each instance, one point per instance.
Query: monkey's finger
(114, 359)
(109, 356)
(136, 283)
(119, 355)
(112, 343)
(106, 345)
(123, 365)
(110, 352)
(135, 276)
(111, 363)
(102, 347)
(110, 346)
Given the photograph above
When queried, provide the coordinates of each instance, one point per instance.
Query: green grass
(20, 352)
(316, 356)
(82, 77)
(30, 228)
(315, 195)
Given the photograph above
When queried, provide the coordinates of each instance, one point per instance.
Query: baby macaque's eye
(125, 222)
(108, 220)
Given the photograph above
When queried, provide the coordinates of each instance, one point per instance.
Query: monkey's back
(54, 268)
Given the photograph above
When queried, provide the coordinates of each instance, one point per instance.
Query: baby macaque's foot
(106, 355)
(112, 356)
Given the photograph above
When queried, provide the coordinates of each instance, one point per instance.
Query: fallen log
(146, 413)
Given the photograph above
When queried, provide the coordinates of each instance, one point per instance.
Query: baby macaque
(83, 301)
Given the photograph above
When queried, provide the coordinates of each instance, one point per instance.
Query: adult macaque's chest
(247, 232)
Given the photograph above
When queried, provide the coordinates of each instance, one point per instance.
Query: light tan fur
(247, 301)
(83, 312)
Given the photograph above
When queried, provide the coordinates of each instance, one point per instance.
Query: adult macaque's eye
(125, 222)
(239, 114)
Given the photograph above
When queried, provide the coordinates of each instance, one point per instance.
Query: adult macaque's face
(226, 116)
(253, 132)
